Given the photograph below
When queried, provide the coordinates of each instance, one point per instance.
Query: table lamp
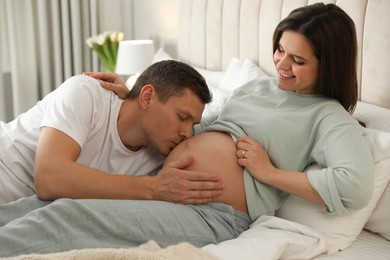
(133, 58)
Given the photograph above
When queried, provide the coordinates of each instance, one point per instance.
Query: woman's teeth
(285, 75)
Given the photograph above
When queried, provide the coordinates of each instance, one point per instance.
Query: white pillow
(249, 71)
(230, 81)
(379, 221)
(213, 78)
(379, 118)
(238, 73)
(373, 116)
(341, 231)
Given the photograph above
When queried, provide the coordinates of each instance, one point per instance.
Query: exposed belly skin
(215, 152)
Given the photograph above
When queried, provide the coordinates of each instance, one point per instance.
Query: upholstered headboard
(214, 31)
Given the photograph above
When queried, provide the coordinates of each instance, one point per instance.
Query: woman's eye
(280, 49)
(299, 63)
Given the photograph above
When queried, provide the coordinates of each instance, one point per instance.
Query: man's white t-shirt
(87, 113)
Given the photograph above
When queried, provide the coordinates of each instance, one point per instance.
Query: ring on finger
(243, 153)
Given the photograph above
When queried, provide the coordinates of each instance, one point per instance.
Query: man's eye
(183, 118)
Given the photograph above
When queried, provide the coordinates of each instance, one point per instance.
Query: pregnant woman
(282, 126)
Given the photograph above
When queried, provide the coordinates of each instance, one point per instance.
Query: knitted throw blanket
(147, 251)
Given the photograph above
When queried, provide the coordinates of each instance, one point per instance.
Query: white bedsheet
(271, 238)
(367, 246)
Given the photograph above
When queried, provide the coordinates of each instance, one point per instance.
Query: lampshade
(134, 56)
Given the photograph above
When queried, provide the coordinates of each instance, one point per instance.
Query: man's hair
(172, 78)
(331, 33)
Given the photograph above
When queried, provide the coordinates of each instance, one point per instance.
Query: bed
(229, 43)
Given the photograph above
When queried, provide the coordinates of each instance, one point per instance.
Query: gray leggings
(33, 226)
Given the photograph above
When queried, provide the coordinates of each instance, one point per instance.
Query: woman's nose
(283, 63)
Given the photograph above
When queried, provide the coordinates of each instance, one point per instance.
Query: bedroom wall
(121, 21)
(157, 20)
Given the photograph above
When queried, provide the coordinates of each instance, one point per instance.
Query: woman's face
(296, 64)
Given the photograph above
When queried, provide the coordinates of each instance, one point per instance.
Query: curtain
(43, 43)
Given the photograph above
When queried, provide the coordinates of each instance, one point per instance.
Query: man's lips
(173, 144)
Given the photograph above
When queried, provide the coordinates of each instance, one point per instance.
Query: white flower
(101, 39)
(89, 42)
(116, 36)
(105, 46)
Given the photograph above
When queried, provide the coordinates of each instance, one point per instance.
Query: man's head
(171, 78)
(172, 95)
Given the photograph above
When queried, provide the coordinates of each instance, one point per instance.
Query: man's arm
(58, 175)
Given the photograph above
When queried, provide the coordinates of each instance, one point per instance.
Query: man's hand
(110, 81)
(175, 184)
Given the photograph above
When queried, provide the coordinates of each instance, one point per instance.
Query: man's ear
(145, 96)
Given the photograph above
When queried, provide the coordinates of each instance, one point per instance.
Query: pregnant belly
(215, 152)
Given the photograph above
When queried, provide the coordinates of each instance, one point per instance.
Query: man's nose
(186, 132)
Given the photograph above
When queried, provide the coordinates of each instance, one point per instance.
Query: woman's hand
(253, 157)
(111, 81)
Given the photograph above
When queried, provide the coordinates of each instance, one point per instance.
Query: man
(82, 141)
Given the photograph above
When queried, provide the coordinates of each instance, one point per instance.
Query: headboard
(213, 31)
